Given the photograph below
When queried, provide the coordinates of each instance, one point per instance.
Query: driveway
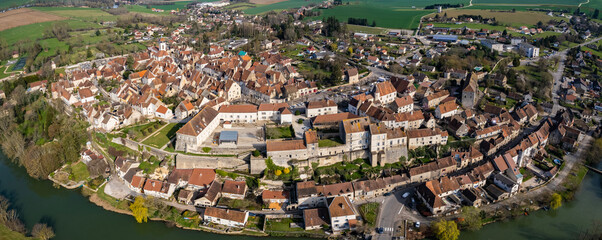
(117, 188)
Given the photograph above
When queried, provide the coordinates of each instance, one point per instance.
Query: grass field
(162, 137)
(398, 18)
(36, 30)
(366, 29)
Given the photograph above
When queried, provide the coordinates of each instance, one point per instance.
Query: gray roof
(228, 136)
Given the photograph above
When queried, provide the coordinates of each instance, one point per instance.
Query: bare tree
(42, 231)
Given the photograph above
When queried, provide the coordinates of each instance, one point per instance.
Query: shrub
(256, 153)
(286, 171)
(206, 149)
(300, 121)
(278, 172)
(297, 113)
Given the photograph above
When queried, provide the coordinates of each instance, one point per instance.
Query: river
(73, 217)
(564, 223)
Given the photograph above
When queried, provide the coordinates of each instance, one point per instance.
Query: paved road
(394, 208)
(559, 72)
(570, 160)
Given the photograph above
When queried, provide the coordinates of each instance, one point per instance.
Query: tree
(42, 231)
(256, 153)
(446, 230)
(139, 211)
(472, 218)
(278, 172)
(286, 171)
(596, 14)
(516, 62)
(97, 33)
(556, 201)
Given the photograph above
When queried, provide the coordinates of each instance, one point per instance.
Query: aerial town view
(304, 119)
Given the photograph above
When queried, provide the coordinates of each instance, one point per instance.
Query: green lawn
(149, 166)
(283, 225)
(139, 132)
(280, 132)
(330, 142)
(162, 137)
(239, 204)
(7, 234)
(79, 172)
(369, 212)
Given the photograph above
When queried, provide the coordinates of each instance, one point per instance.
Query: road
(394, 209)
(559, 72)
(570, 160)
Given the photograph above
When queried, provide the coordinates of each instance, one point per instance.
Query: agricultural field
(535, 2)
(383, 17)
(82, 14)
(240, 6)
(25, 16)
(515, 19)
(13, 3)
(593, 4)
(143, 9)
(259, 9)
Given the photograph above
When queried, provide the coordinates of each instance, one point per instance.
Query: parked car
(405, 195)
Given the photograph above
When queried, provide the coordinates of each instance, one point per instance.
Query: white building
(245, 113)
(321, 107)
(342, 213)
(192, 135)
(492, 45)
(528, 50)
(226, 217)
